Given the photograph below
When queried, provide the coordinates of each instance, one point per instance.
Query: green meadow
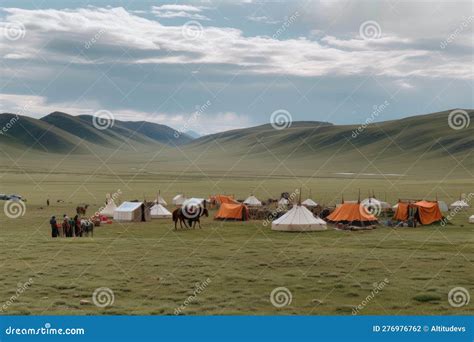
(153, 269)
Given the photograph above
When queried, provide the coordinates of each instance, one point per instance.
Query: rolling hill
(63, 133)
(420, 144)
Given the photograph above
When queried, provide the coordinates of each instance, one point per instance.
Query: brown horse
(82, 210)
(179, 215)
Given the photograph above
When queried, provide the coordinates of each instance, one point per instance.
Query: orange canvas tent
(352, 213)
(232, 211)
(426, 212)
(225, 199)
(429, 212)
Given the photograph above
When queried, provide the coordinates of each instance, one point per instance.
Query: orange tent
(402, 212)
(231, 211)
(429, 212)
(225, 199)
(352, 213)
(426, 212)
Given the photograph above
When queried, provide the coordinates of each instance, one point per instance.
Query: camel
(82, 210)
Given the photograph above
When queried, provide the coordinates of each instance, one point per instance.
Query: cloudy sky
(236, 62)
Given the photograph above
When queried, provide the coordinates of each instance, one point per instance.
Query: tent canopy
(459, 204)
(179, 199)
(352, 213)
(309, 203)
(160, 200)
(375, 202)
(428, 212)
(232, 211)
(129, 206)
(225, 199)
(109, 209)
(159, 211)
(299, 218)
(253, 201)
(471, 219)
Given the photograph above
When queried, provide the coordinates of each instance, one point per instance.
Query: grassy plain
(153, 270)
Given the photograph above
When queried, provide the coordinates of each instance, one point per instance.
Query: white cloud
(179, 11)
(262, 19)
(152, 42)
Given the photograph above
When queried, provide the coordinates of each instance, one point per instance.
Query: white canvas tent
(253, 201)
(309, 203)
(179, 199)
(160, 200)
(109, 209)
(443, 206)
(299, 219)
(461, 204)
(132, 211)
(159, 211)
(375, 202)
(471, 219)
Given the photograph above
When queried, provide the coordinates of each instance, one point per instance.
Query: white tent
(298, 219)
(376, 203)
(309, 203)
(159, 211)
(160, 200)
(179, 199)
(109, 209)
(283, 202)
(461, 204)
(253, 201)
(443, 206)
(132, 211)
(471, 219)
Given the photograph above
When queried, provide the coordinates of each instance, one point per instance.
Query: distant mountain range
(63, 133)
(398, 141)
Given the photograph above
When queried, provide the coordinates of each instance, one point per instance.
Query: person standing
(54, 227)
(77, 226)
(65, 226)
(47, 202)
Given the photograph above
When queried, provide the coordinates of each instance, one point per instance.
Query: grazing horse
(180, 215)
(87, 226)
(82, 210)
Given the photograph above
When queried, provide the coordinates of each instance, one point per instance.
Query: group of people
(68, 227)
